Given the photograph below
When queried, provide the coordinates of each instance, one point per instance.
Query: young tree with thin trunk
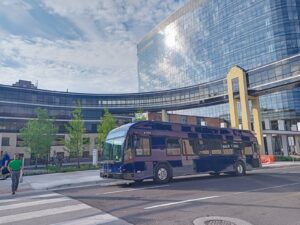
(38, 135)
(139, 115)
(76, 130)
(108, 123)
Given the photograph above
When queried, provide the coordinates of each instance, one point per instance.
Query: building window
(85, 154)
(274, 125)
(5, 141)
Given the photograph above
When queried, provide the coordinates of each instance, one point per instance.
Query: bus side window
(142, 146)
(173, 146)
(248, 148)
(198, 147)
(129, 149)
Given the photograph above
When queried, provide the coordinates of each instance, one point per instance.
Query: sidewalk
(81, 178)
(58, 180)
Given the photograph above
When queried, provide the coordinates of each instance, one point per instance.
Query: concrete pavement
(58, 180)
(81, 178)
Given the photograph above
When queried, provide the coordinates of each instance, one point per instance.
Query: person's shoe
(13, 193)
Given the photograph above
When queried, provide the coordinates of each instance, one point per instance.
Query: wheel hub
(162, 174)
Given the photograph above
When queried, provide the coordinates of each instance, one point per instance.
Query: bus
(161, 150)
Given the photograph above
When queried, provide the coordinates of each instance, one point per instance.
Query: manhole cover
(216, 220)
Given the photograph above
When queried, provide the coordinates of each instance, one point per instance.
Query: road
(263, 197)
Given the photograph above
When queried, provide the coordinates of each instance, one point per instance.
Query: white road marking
(29, 197)
(92, 220)
(181, 202)
(33, 203)
(42, 213)
(132, 189)
(237, 193)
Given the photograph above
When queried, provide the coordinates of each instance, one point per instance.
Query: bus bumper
(125, 176)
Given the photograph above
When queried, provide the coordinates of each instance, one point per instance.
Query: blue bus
(162, 150)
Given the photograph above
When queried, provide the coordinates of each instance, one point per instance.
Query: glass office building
(202, 40)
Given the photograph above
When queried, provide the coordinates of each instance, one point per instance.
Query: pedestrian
(4, 165)
(15, 167)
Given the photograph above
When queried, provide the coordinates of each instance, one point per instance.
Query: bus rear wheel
(240, 169)
(162, 174)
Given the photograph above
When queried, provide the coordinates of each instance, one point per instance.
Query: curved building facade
(202, 40)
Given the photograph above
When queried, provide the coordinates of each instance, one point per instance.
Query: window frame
(182, 143)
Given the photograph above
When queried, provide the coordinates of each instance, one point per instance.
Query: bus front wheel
(162, 174)
(240, 169)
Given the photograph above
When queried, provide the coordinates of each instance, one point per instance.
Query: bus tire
(240, 169)
(162, 174)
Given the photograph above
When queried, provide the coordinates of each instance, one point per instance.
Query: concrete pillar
(270, 144)
(284, 145)
(257, 124)
(297, 144)
(281, 125)
(164, 116)
(267, 124)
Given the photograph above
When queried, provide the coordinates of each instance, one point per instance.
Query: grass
(62, 169)
(287, 158)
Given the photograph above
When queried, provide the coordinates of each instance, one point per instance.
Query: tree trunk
(35, 162)
(78, 163)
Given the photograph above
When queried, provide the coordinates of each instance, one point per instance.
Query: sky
(84, 46)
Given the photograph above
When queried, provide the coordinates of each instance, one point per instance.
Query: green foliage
(75, 128)
(38, 134)
(287, 158)
(139, 115)
(57, 169)
(108, 123)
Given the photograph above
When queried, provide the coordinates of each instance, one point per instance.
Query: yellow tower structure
(237, 73)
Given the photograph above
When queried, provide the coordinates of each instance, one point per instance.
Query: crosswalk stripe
(33, 203)
(92, 220)
(29, 197)
(42, 213)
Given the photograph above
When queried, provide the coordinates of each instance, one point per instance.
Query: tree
(108, 123)
(38, 135)
(76, 130)
(139, 115)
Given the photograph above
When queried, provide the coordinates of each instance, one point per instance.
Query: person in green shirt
(15, 167)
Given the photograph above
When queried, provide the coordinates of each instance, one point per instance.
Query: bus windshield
(112, 149)
(113, 146)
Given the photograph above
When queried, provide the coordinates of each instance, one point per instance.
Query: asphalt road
(262, 197)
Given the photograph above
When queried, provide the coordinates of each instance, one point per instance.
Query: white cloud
(90, 46)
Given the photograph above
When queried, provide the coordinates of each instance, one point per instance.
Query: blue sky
(80, 45)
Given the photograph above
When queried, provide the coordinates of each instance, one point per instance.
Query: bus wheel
(240, 169)
(162, 174)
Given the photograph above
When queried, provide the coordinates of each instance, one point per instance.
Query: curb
(101, 183)
(280, 166)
